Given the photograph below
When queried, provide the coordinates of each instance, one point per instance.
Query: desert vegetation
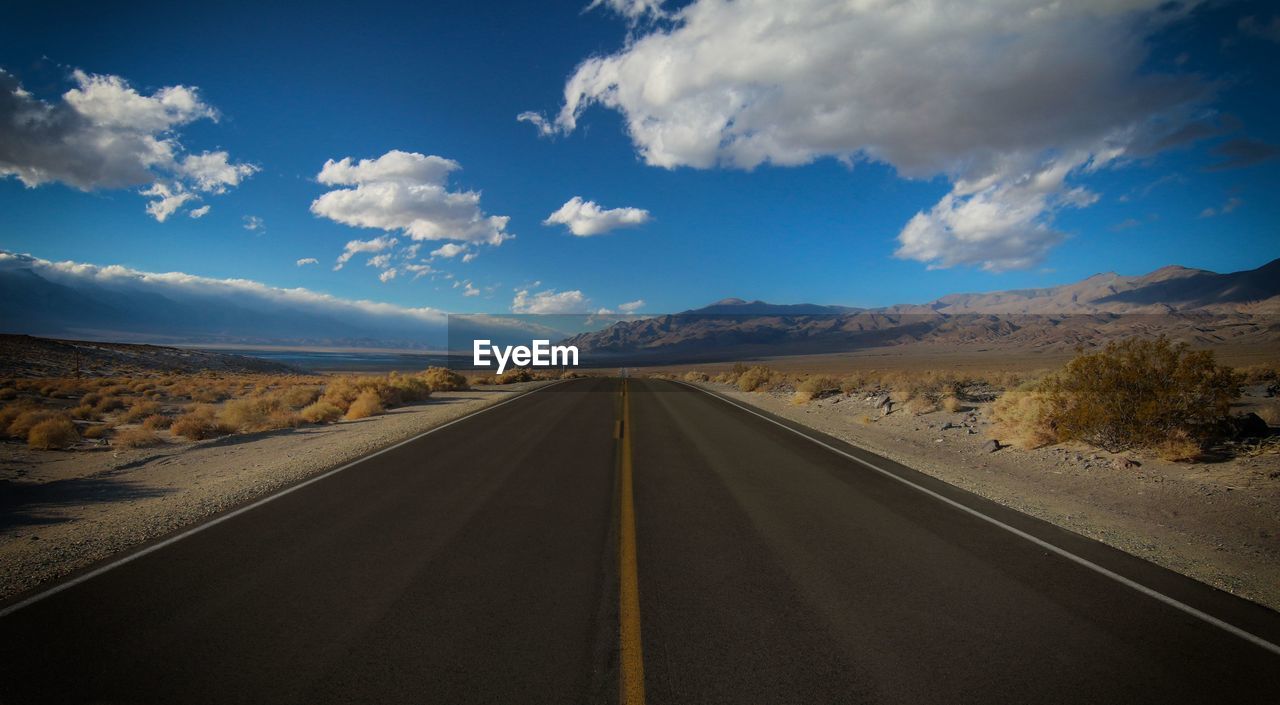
(153, 408)
(1147, 395)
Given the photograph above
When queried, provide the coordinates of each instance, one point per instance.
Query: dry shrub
(392, 389)
(1178, 446)
(320, 412)
(815, 388)
(108, 403)
(85, 412)
(53, 433)
(1261, 374)
(1022, 419)
(156, 422)
(300, 396)
(207, 395)
(952, 404)
(368, 403)
(515, 376)
(443, 379)
(199, 424)
(695, 376)
(96, 431)
(136, 437)
(757, 378)
(8, 393)
(1138, 393)
(1134, 393)
(91, 399)
(27, 418)
(484, 379)
(920, 405)
(856, 381)
(139, 411)
(264, 413)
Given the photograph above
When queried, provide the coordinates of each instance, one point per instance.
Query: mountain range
(1198, 306)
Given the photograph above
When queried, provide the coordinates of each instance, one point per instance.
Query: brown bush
(695, 376)
(1132, 394)
(53, 433)
(98, 430)
(816, 387)
(368, 403)
(952, 404)
(1270, 413)
(1178, 446)
(107, 404)
(156, 422)
(320, 412)
(515, 376)
(22, 423)
(199, 424)
(920, 405)
(264, 413)
(84, 412)
(1021, 418)
(1138, 393)
(484, 379)
(136, 437)
(300, 396)
(443, 379)
(140, 410)
(8, 393)
(757, 378)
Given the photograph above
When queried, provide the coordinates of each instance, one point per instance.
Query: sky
(641, 156)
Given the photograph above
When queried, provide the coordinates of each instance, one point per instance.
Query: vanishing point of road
(606, 540)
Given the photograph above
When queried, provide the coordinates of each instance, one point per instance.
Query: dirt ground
(1217, 522)
(61, 511)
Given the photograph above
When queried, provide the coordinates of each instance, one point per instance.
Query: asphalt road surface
(578, 545)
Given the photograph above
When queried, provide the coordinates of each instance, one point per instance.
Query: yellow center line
(631, 679)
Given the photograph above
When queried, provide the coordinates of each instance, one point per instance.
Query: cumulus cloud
(633, 10)
(355, 247)
(631, 306)
(447, 250)
(307, 260)
(200, 212)
(932, 87)
(585, 218)
(387, 275)
(104, 134)
(253, 222)
(406, 191)
(549, 301)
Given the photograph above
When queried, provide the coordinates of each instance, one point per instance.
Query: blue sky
(793, 208)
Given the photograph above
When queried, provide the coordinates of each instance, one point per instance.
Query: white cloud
(1000, 223)
(631, 306)
(469, 290)
(931, 87)
(406, 191)
(253, 222)
(549, 301)
(307, 260)
(1231, 204)
(169, 197)
(381, 261)
(355, 247)
(200, 212)
(469, 256)
(388, 275)
(103, 134)
(418, 270)
(585, 218)
(447, 250)
(633, 10)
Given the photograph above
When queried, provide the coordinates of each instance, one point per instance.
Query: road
(576, 545)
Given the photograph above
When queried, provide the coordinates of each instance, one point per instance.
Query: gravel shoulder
(1217, 522)
(62, 511)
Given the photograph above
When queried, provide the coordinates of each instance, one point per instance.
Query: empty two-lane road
(491, 562)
